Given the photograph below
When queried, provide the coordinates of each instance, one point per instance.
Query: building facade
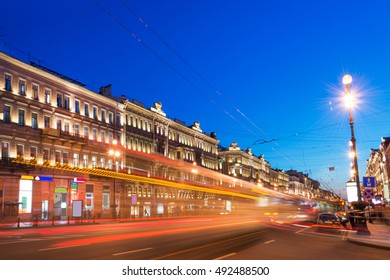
(63, 143)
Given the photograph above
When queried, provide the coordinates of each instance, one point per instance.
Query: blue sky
(251, 71)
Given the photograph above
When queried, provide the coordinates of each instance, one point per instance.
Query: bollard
(18, 222)
(68, 220)
(94, 217)
(52, 221)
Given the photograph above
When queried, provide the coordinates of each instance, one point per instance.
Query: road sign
(368, 194)
(369, 182)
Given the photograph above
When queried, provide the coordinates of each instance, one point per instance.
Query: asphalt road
(203, 238)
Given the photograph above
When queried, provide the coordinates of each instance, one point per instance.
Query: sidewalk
(379, 236)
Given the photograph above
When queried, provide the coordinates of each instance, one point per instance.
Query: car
(328, 222)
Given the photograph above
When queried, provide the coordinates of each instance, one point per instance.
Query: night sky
(265, 74)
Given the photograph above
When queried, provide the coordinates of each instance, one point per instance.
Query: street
(199, 238)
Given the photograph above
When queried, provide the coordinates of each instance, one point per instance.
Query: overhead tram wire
(139, 40)
(197, 73)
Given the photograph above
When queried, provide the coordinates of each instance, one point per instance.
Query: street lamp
(115, 153)
(350, 102)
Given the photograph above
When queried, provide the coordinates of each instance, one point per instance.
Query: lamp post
(350, 102)
(114, 152)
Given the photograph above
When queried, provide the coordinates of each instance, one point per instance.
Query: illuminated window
(102, 137)
(85, 161)
(94, 160)
(47, 96)
(76, 160)
(7, 82)
(25, 196)
(94, 134)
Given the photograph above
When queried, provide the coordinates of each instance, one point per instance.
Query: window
(76, 130)
(86, 109)
(19, 150)
(94, 159)
(21, 117)
(7, 82)
(76, 160)
(67, 128)
(117, 120)
(35, 92)
(59, 125)
(77, 106)
(86, 132)
(46, 122)
(46, 154)
(34, 120)
(94, 134)
(22, 87)
(65, 158)
(85, 161)
(33, 152)
(103, 137)
(95, 112)
(58, 156)
(110, 116)
(66, 102)
(5, 151)
(7, 114)
(59, 100)
(25, 196)
(47, 96)
(102, 163)
(106, 198)
(103, 116)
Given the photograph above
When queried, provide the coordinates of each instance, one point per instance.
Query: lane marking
(21, 241)
(133, 251)
(207, 245)
(225, 256)
(270, 241)
(63, 247)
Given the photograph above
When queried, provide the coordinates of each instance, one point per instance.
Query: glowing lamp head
(347, 79)
(111, 152)
(117, 153)
(114, 142)
(349, 101)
